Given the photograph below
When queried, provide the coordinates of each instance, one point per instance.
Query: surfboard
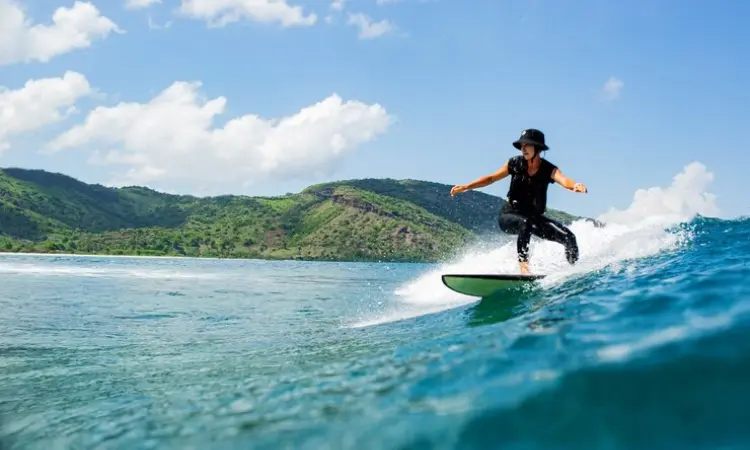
(484, 285)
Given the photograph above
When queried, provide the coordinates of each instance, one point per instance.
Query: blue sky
(455, 82)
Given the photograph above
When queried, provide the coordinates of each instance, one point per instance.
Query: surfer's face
(527, 150)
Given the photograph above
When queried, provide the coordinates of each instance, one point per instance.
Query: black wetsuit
(523, 213)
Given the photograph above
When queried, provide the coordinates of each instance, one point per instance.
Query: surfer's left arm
(566, 182)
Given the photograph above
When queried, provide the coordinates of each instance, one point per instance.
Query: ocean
(645, 343)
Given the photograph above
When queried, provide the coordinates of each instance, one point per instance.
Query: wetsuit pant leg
(524, 226)
(515, 223)
(551, 230)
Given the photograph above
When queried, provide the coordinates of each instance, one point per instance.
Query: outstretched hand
(580, 187)
(458, 189)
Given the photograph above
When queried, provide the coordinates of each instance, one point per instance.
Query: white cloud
(338, 4)
(38, 103)
(219, 13)
(390, 2)
(611, 89)
(682, 200)
(72, 28)
(369, 29)
(172, 139)
(155, 26)
(140, 4)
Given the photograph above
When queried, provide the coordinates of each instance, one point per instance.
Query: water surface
(645, 344)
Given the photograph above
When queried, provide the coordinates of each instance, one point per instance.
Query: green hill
(369, 219)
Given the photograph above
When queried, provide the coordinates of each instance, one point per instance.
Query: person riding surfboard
(523, 212)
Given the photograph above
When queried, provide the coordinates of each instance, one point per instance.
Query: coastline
(188, 257)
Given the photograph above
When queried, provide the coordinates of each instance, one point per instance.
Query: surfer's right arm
(483, 181)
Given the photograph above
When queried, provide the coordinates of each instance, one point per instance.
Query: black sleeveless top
(528, 193)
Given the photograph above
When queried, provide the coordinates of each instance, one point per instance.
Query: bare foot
(525, 268)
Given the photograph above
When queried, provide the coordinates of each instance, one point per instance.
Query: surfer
(523, 212)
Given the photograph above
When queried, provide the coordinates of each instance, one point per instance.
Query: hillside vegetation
(369, 219)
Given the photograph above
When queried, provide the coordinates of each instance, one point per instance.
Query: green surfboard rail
(484, 285)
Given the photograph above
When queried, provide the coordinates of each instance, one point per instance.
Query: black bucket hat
(531, 136)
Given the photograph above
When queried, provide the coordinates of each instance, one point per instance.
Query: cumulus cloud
(71, 28)
(686, 197)
(155, 26)
(219, 13)
(172, 139)
(140, 4)
(39, 103)
(369, 29)
(338, 4)
(611, 89)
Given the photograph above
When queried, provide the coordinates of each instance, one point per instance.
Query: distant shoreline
(105, 255)
(108, 255)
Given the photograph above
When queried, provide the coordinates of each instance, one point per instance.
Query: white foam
(635, 232)
(93, 272)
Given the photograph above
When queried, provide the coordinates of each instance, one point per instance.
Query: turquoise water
(645, 344)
